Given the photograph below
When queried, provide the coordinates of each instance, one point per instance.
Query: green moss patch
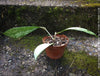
(29, 42)
(91, 5)
(81, 61)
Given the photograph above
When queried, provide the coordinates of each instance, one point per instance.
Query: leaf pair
(18, 32)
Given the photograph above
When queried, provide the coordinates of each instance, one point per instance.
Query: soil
(58, 41)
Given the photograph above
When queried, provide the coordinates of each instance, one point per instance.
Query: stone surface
(87, 44)
(66, 3)
(19, 61)
(39, 2)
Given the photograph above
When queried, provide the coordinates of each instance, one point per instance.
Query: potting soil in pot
(58, 41)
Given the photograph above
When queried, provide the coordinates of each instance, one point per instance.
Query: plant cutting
(53, 44)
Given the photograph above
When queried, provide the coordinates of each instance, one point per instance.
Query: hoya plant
(19, 32)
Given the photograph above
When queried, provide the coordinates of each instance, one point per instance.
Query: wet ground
(17, 60)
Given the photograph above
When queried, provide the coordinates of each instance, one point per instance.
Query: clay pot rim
(43, 39)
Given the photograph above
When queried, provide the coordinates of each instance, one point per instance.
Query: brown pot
(55, 52)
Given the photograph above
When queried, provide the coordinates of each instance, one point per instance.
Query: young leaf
(40, 48)
(79, 29)
(18, 32)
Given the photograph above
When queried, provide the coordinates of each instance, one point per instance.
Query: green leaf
(40, 48)
(79, 29)
(18, 32)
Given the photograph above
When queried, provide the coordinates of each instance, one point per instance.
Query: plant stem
(47, 32)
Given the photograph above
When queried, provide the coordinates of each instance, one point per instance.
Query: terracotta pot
(55, 52)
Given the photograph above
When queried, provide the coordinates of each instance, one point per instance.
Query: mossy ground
(81, 59)
(29, 42)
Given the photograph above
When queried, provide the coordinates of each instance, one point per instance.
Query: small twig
(71, 63)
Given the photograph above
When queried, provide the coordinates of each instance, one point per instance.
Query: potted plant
(54, 44)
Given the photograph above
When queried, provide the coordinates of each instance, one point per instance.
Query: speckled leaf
(79, 29)
(18, 32)
(40, 48)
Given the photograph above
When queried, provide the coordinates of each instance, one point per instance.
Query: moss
(29, 42)
(82, 61)
(91, 5)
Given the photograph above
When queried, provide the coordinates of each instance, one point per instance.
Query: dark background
(53, 18)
